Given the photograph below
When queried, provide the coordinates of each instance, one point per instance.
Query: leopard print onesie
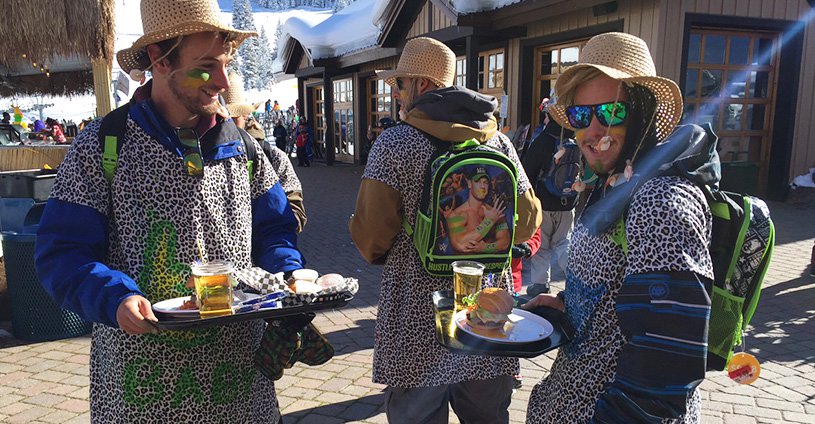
(157, 218)
(595, 274)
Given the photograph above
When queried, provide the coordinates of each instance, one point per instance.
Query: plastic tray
(167, 322)
(460, 342)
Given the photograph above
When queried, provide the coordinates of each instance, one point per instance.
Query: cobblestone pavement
(48, 382)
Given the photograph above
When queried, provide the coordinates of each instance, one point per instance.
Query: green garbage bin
(34, 316)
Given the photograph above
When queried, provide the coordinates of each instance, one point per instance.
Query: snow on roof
(472, 6)
(355, 27)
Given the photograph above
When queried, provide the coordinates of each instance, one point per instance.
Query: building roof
(60, 39)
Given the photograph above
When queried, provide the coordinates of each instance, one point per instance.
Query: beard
(190, 99)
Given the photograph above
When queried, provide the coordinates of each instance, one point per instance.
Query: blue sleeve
(71, 247)
(664, 317)
(274, 232)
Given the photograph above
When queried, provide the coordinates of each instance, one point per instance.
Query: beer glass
(466, 280)
(213, 288)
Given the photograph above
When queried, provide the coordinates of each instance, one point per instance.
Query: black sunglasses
(193, 160)
(608, 114)
(399, 84)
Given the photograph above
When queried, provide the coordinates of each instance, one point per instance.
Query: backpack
(564, 170)
(741, 247)
(112, 132)
(458, 177)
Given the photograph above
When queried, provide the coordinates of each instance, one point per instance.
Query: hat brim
(390, 77)
(666, 92)
(136, 57)
(240, 109)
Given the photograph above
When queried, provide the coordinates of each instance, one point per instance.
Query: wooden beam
(352, 60)
(311, 71)
(399, 22)
(102, 85)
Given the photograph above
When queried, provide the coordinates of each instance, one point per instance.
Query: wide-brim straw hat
(423, 57)
(624, 57)
(168, 19)
(235, 98)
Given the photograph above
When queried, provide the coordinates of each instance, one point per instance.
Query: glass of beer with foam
(466, 280)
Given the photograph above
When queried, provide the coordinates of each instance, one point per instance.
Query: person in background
(640, 307)
(39, 126)
(181, 191)
(423, 378)
(280, 135)
(558, 212)
(6, 118)
(54, 129)
(240, 111)
(302, 142)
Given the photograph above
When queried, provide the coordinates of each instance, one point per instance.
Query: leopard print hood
(455, 114)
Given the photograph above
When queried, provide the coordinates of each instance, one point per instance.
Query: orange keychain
(743, 368)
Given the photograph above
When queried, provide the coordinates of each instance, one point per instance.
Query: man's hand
(549, 300)
(495, 211)
(135, 316)
(521, 251)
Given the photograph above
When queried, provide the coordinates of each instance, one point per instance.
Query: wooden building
(747, 66)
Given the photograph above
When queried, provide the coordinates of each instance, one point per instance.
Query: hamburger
(491, 309)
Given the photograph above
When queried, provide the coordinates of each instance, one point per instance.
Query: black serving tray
(167, 322)
(448, 335)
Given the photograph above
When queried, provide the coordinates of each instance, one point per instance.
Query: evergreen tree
(340, 4)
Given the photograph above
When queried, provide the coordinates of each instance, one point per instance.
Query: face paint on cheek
(195, 79)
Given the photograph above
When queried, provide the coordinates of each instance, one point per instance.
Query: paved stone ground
(48, 382)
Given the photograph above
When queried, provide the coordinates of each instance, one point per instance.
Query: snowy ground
(128, 29)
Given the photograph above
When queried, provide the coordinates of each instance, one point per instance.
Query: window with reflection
(344, 141)
(551, 62)
(730, 82)
(491, 71)
(461, 71)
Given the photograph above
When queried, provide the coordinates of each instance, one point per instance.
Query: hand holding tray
(462, 342)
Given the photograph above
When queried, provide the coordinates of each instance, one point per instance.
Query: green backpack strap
(618, 235)
(251, 152)
(111, 134)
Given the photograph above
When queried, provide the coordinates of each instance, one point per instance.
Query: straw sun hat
(625, 57)
(424, 57)
(168, 19)
(235, 98)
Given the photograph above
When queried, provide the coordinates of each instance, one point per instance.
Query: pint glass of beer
(213, 288)
(466, 280)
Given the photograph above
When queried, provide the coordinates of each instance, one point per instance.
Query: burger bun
(305, 287)
(330, 280)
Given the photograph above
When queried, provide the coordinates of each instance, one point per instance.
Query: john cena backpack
(564, 171)
(741, 247)
(467, 209)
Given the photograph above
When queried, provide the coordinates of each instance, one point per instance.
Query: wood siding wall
(382, 64)
(639, 17)
(422, 24)
(803, 148)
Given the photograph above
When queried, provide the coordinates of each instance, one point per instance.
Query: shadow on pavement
(353, 339)
(351, 410)
(784, 318)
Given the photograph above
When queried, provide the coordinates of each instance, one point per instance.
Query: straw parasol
(44, 31)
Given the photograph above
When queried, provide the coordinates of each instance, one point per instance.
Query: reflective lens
(193, 161)
(608, 114)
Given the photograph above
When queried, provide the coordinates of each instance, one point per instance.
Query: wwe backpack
(467, 210)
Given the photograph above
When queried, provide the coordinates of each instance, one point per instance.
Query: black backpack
(565, 169)
(112, 132)
(459, 176)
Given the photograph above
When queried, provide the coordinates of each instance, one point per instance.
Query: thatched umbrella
(44, 31)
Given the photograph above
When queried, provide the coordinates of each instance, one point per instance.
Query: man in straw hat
(639, 273)
(179, 191)
(422, 376)
(240, 112)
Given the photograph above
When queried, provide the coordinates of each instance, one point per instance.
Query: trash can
(34, 316)
(740, 177)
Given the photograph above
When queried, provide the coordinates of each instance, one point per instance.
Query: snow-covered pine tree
(340, 4)
(265, 58)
